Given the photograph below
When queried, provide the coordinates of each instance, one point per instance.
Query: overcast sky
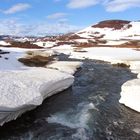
(40, 17)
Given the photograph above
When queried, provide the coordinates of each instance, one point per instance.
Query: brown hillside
(115, 24)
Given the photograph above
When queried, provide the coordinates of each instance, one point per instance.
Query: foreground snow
(23, 90)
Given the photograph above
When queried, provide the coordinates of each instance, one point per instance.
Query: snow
(138, 75)
(3, 43)
(66, 66)
(130, 94)
(135, 66)
(12, 49)
(9, 61)
(25, 89)
(111, 34)
(108, 54)
(66, 49)
(114, 42)
(45, 44)
(81, 40)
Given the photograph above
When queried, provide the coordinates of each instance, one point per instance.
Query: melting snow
(24, 89)
(65, 66)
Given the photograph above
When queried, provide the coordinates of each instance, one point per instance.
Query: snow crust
(66, 66)
(25, 89)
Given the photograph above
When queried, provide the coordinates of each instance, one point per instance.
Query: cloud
(109, 5)
(17, 8)
(17, 27)
(120, 5)
(82, 3)
(57, 15)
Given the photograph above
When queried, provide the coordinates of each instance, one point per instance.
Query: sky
(43, 17)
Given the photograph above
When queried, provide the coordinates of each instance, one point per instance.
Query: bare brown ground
(36, 61)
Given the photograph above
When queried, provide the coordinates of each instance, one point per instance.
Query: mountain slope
(112, 30)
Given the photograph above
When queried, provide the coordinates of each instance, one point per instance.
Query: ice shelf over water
(25, 89)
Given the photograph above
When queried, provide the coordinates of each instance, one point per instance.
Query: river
(89, 110)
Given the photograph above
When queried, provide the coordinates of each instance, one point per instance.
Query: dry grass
(121, 65)
(27, 45)
(36, 58)
(36, 61)
(115, 24)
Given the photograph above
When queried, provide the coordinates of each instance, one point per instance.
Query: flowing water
(89, 110)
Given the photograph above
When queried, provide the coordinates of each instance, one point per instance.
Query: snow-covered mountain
(112, 30)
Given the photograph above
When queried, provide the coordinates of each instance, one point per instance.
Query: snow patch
(3, 43)
(45, 44)
(65, 66)
(130, 94)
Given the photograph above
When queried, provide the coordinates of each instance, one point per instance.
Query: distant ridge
(115, 24)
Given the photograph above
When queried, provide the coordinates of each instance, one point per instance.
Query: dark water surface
(89, 110)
